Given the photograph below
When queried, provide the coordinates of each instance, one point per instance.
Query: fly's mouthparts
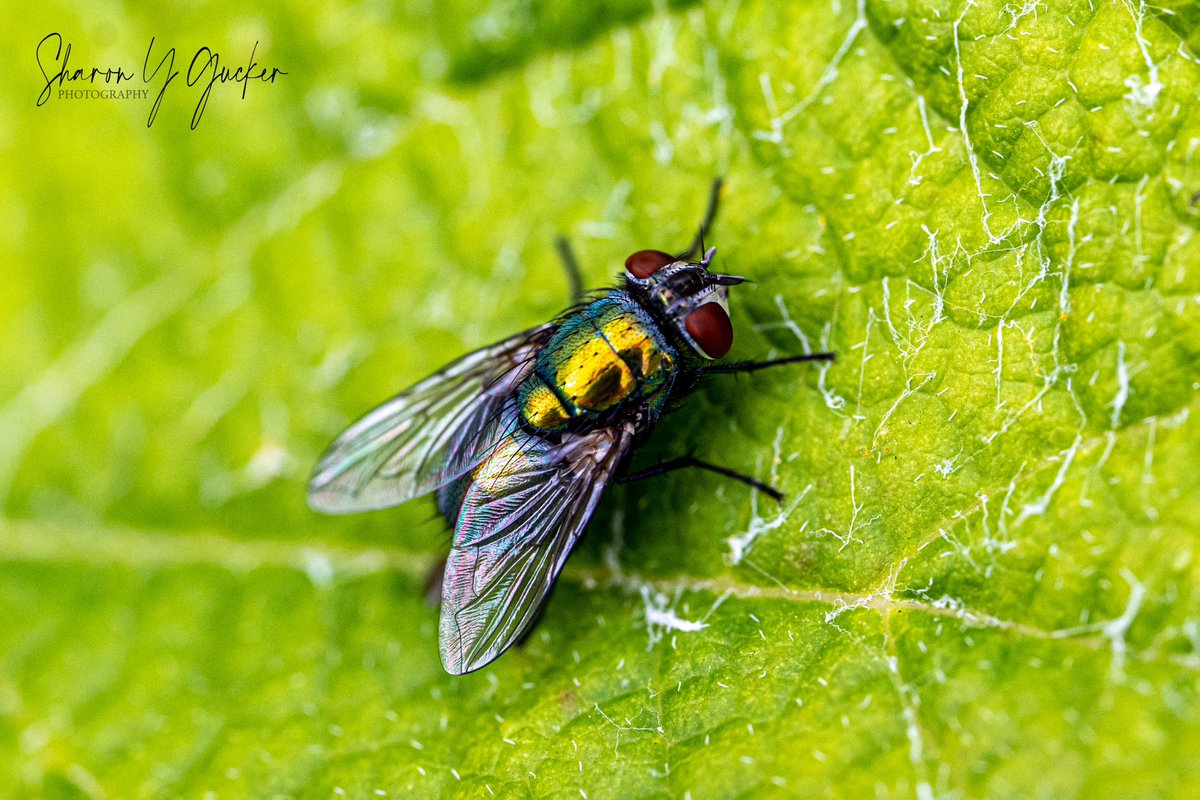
(728, 280)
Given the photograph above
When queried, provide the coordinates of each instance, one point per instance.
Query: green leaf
(981, 582)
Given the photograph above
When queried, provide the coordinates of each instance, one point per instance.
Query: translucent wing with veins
(426, 436)
(525, 508)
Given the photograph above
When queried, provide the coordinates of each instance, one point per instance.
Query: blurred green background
(981, 583)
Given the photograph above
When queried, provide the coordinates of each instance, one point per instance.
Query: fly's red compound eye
(710, 327)
(645, 263)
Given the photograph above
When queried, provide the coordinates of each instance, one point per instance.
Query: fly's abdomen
(608, 354)
(541, 406)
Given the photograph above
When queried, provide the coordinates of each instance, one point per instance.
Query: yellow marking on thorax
(605, 366)
(628, 338)
(594, 377)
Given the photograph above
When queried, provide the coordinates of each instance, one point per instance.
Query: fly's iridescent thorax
(608, 354)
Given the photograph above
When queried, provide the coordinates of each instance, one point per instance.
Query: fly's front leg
(710, 216)
(570, 263)
(691, 461)
(571, 267)
(755, 366)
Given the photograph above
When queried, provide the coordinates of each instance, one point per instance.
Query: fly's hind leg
(691, 461)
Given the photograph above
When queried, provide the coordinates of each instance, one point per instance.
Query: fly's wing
(426, 436)
(525, 509)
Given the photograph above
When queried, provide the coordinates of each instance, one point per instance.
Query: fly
(519, 440)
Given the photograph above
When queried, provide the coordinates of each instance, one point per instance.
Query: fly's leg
(710, 215)
(571, 267)
(691, 461)
(755, 366)
(571, 264)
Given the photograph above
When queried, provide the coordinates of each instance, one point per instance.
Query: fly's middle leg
(685, 462)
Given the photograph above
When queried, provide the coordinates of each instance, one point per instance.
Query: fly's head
(692, 299)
